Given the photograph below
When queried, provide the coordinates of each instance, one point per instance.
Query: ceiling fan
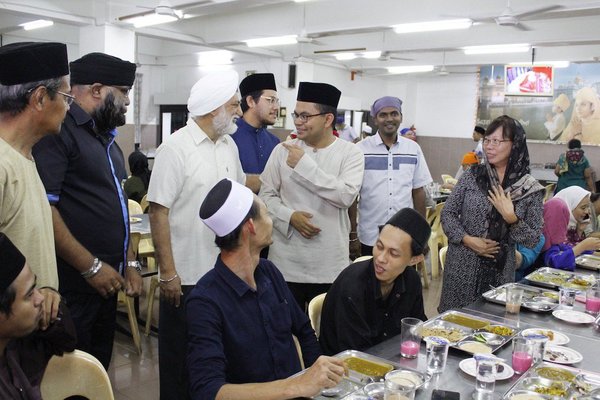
(164, 7)
(444, 71)
(513, 19)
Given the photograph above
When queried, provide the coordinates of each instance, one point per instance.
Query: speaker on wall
(292, 76)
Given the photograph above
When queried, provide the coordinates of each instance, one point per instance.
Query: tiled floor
(136, 377)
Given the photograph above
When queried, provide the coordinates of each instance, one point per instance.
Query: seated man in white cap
(187, 164)
(241, 315)
(369, 299)
(25, 351)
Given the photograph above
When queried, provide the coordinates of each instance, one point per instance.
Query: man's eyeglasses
(494, 142)
(305, 117)
(271, 99)
(69, 98)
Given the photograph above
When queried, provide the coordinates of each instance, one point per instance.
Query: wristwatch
(135, 264)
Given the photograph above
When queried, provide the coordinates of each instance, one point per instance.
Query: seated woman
(573, 168)
(578, 202)
(556, 253)
(136, 185)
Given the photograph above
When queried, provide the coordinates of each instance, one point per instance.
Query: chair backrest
(145, 203)
(443, 252)
(362, 258)
(75, 374)
(134, 207)
(435, 219)
(549, 191)
(449, 179)
(314, 312)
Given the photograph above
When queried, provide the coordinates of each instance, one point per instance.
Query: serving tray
(588, 261)
(578, 382)
(555, 278)
(498, 295)
(473, 328)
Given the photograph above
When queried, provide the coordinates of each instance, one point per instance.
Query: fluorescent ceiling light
(40, 23)
(271, 41)
(217, 57)
(497, 48)
(345, 56)
(352, 56)
(430, 26)
(153, 19)
(407, 69)
(371, 54)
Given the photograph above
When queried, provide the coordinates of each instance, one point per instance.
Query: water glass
(514, 295)
(437, 354)
(567, 298)
(592, 300)
(410, 337)
(485, 376)
(538, 346)
(522, 355)
(398, 387)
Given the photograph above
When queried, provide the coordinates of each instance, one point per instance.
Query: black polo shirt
(82, 172)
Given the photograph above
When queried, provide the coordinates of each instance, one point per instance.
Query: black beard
(108, 116)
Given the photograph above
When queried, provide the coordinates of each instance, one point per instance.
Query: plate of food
(504, 371)
(134, 220)
(562, 355)
(555, 338)
(575, 317)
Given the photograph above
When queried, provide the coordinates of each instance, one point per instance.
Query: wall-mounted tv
(528, 80)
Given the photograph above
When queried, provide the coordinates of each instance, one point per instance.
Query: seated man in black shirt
(24, 350)
(368, 299)
(241, 315)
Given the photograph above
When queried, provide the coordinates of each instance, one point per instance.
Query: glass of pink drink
(592, 300)
(522, 356)
(410, 337)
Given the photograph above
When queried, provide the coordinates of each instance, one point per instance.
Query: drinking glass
(538, 347)
(522, 356)
(485, 376)
(567, 298)
(398, 387)
(592, 300)
(514, 296)
(410, 337)
(437, 354)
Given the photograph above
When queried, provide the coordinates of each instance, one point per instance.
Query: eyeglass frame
(69, 98)
(273, 100)
(305, 117)
(494, 142)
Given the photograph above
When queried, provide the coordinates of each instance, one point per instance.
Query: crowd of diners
(247, 230)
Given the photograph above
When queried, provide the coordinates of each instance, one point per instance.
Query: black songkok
(412, 223)
(12, 262)
(26, 62)
(256, 82)
(320, 93)
(102, 68)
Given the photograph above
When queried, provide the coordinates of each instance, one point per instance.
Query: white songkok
(212, 91)
(225, 206)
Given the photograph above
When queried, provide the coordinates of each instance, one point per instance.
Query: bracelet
(94, 269)
(353, 240)
(161, 280)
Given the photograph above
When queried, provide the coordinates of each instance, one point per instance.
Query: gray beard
(224, 124)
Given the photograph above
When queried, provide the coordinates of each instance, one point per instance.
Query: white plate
(559, 338)
(565, 355)
(134, 220)
(576, 317)
(468, 367)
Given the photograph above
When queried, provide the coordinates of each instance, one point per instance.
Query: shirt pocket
(281, 319)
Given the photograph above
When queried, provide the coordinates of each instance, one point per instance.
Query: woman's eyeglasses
(494, 142)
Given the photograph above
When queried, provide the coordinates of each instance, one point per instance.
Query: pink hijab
(556, 221)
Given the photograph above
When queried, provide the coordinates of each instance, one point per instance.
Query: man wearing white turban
(187, 165)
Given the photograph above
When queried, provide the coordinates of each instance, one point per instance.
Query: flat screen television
(528, 80)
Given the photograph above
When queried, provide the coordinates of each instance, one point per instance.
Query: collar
(232, 280)
(379, 140)
(242, 124)
(399, 285)
(198, 135)
(80, 116)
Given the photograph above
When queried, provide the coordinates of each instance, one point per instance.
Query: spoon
(331, 392)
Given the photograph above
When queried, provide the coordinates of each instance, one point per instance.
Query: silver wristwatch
(135, 264)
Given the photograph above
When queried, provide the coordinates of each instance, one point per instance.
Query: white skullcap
(212, 91)
(225, 206)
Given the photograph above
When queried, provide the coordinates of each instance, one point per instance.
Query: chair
(549, 191)
(362, 258)
(443, 252)
(122, 298)
(437, 239)
(144, 203)
(134, 207)
(422, 269)
(449, 179)
(314, 312)
(75, 374)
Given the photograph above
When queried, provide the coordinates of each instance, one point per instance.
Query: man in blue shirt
(255, 143)
(241, 315)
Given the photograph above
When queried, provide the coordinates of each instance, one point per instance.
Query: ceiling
(571, 31)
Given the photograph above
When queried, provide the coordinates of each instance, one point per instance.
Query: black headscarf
(138, 165)
(517, 182)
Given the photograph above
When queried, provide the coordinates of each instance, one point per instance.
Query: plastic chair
(437, 239)
(134, 207)
(549, 191)
(314, 312)
(75, 374)
(144, 203)
(449, 179)
(443, 252)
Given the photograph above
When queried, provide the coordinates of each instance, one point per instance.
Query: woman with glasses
(493, 206)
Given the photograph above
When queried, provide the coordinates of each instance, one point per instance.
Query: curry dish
(367, 367)
(465, 321)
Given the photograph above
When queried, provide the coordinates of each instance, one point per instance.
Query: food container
(533, 299)
(555, 278)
